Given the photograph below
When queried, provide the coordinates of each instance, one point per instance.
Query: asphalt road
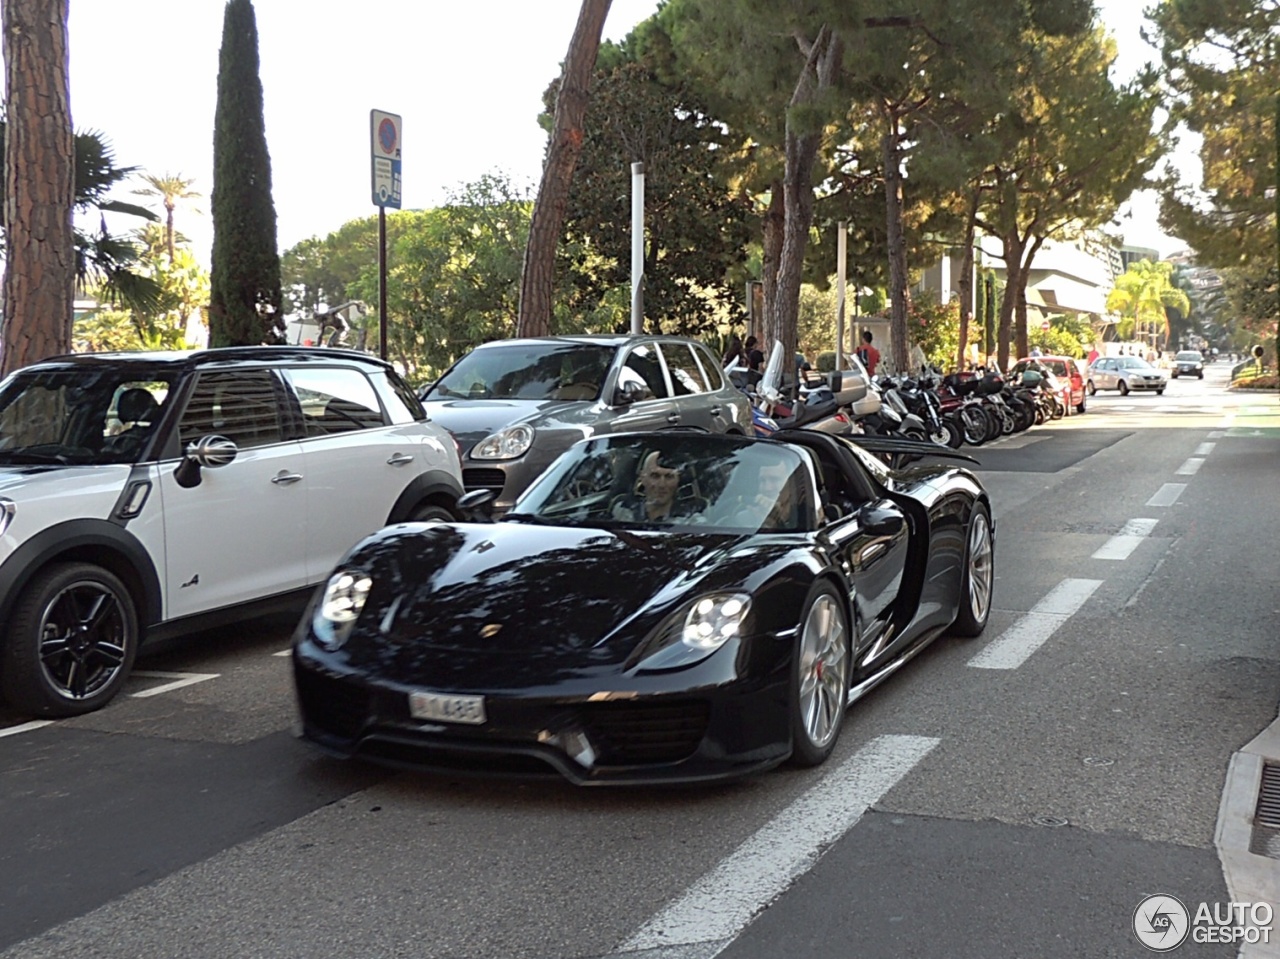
(1015, 795)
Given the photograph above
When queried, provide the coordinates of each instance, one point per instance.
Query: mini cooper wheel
(978, 577)
(431, 513)
(71, 642)
(819, 677)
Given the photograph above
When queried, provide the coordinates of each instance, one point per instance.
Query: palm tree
(1145, 294)
(103, 259)
(170, 188)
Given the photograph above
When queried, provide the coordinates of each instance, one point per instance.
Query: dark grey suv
(515, 405)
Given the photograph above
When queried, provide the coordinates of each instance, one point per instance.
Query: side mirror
(209, 452)
(628, 393)
(1258, 351)
(878, 521)
(477, 506)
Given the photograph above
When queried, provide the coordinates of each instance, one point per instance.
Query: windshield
(84, 416)
(527, 371)
(675, 481)
(1192, 357)
(1134, 363)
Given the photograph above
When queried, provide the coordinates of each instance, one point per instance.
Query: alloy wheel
(83, 639)
(824, 671)
(981, 571)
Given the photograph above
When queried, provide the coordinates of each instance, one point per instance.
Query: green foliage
(183, 293)
(102, 259)
(935, 328)
(453, 278)
(245, 303)
(696, 232)
(1145, 294)
(826, 361)
(1222, 63)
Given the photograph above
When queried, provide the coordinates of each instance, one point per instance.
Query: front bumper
(688, 726)
(1144, 384)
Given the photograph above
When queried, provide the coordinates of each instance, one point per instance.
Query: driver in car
(655, 496)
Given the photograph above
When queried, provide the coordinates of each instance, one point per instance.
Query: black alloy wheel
(71, 642)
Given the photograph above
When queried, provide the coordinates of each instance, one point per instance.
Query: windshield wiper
(25, 456)
(532, 518)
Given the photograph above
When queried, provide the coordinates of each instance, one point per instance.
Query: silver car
(1125, 373)
(515, 405)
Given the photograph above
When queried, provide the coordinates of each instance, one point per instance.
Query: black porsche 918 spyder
(664, 606)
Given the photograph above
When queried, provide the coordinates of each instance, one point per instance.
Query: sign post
(384, 131)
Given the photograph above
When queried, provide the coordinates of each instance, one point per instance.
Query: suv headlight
(344, 598)
(7, 508)
(506, 444)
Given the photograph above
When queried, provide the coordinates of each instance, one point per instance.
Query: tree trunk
(899, 345)
(774, 224)
(1012, 291)
(1020, 301)
(537, 278)
(821, 61)
(39, 171)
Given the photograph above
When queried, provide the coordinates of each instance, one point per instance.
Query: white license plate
(440, 708)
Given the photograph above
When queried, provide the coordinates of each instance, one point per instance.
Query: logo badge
(1161, 923)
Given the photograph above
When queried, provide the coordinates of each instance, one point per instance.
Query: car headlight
(713, 620)
(339, 608)
(7, 508)
(506, 444)
(693, 632)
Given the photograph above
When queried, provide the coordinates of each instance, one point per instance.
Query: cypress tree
(244, 302)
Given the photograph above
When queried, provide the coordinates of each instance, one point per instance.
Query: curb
(1249, 877)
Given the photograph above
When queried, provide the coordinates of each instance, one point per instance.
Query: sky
(466, 77)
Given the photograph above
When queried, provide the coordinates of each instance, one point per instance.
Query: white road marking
(716, 908)
(1029, 632)
(1127, 540)
(1167, 494)
(179, 680)
(283, 652)
(1204, 449)
(1190, 467)
(25, 727)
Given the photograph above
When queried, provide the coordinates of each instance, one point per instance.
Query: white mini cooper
(144, 494)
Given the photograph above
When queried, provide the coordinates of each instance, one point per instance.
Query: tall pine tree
(245, 302)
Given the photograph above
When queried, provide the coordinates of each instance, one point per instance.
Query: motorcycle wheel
(974, 425)
(994, 427)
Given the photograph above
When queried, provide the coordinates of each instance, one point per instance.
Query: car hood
(470, 421)
(478, 605)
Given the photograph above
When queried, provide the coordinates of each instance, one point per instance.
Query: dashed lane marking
(179, 680)
(1033, 628)
(1204, 449)
(716, 908)
(1167, 494)
(1190, 467)
(1127, 540)
(25, 727)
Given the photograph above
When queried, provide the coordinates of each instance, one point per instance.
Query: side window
(710, 369)
(335, 400)
(240, 405)
(686, 377)
(401, 402)
(643, 361)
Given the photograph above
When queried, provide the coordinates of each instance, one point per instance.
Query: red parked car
(1067, 372)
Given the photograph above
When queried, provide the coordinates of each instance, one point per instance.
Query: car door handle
(286, 479)
(400, 459)
(673, 418)
(715, 411)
